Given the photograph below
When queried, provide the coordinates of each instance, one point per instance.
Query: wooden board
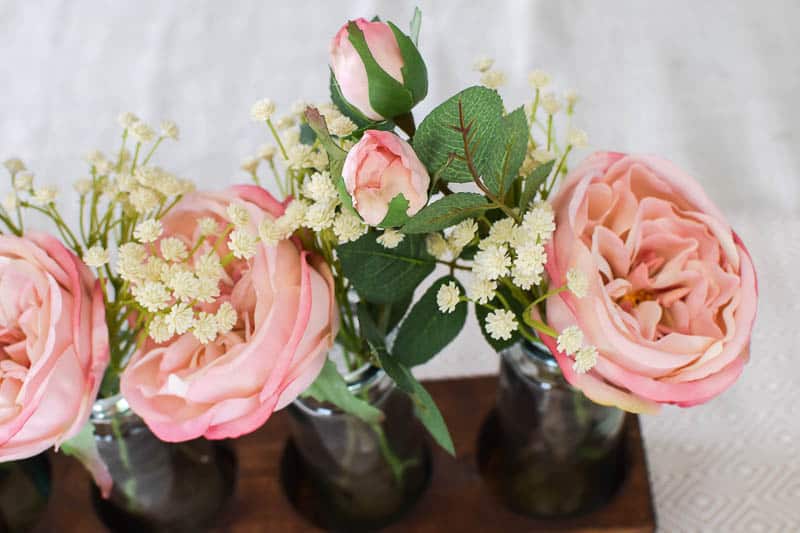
(457, 499)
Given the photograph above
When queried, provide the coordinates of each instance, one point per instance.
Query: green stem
(152, 151)
(277, 139)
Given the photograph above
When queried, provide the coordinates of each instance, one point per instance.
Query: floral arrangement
(208, 311)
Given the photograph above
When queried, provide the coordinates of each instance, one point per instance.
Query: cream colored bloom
(577, 138)
(83, 186)
(492, 262)
(180, 318)
(436, 245)
(142, 132)
(538, 79)
(127, 119)
(238, 214)
(262, 110)
(96, 256)
(550, 104)
(23, 180)
(577, 282)
(242, 243)
(319, 187)
(207, 290)
(270, 232)
(208, 266)
(152, 295)
(159, 329)
(585, 359)
(148, 230)
(483, 63)
(44, 195)
(347, 226)
(570, 340)
(543, 156)
(266, 152)
(143, 199)
(462, 234)
(226, 317)
(250, 164)
(494, 79)
(320, 216)
(390, 238)
(481, 290)
(14, 165)
(539, 222)
(500, 232)
(184, 285)
(205, 327)
(173, 249)
(500, 324)
(208, 226)
(169, 130)
(447, 297)
(342, 126)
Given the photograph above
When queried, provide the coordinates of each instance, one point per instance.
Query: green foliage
(424, 406)
(516, 131)
(387, 96)
(446, 212)
(426, 330)
(331, 387)
(388, 316)
(383, 275)
(416, 23)
(415, 74)
(307, 135)
(533, 181)
(440, 136)
(396, 215)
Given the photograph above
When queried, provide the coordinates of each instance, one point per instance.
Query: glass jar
(547, 450)
(24, 491)
(158, 486)
(346, 475)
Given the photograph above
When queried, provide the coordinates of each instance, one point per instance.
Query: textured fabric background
(711, 85)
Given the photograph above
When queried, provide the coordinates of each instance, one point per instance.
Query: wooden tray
(457, 499)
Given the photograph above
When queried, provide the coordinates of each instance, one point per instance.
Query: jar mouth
(534, 363)
(363, 377)
(105, 409)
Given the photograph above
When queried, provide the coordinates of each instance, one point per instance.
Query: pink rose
(672, 290)
(287, 321)
(54, 344)
(349, 70)
(378, 168)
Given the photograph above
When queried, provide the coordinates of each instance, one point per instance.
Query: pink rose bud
(286, 323)
(378, 168)
(55, 344)
(672, 292)
(393, 93)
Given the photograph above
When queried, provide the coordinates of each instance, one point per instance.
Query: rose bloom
(672, 290)
(287, 321)
(54, 344)
(349, 70)
(378, 168)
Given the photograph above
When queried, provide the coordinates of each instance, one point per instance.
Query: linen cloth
(712, 85)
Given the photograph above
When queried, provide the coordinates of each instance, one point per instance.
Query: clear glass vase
(24, 492)
(346, 475)
(548, 451)
(158, 486)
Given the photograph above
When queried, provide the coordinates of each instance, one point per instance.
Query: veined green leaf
(475, 113)
(446, 212)
(383, 275)
(396, 216)
(533, 182)
(426, 330)
(415, 74)
(515, 130)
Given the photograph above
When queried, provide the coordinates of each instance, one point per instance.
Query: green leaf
(387, 96)
(426, 330)
(515, 129)
(396, 215)
(446, 212)
(331, 387)
(431, 417)
(424, 406)
(358, 118)
(416, 23)
(317, 123)
(533, 182)
(482, 312)
(383, 275)
(415, 73)
(439, 138)
(307, 135)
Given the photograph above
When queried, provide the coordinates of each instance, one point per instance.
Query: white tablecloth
(713, 86)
